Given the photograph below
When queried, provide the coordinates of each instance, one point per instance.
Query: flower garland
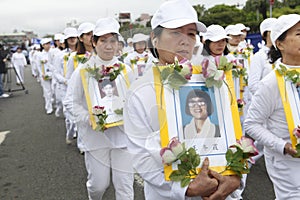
(83, 59)
(105, 71)
(187, 160)
(246, 52)
(136, 59)
(101, 115)
(176, 74)
(290, 75)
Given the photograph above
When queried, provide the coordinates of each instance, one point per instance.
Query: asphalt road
(36, 163)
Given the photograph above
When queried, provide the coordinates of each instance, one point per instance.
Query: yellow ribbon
(286, 105)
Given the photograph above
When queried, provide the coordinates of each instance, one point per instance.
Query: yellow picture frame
(171, 118)
(93, 96)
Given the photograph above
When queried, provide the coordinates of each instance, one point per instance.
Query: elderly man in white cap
(174, 28)
(106, 151)
(273, 117)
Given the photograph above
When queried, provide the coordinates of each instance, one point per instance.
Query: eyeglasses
(198, 103)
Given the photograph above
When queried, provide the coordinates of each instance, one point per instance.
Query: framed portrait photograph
(206, 119)
(107, 94)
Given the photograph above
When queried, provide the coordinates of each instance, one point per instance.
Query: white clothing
(259, 68)
(19, 62)
(95, 141)
(128, 49)
(148, 65)
(266, 107)
(197, 57)
(46, 69)
(208, 130)
(99, 163)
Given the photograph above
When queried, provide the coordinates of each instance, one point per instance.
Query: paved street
(36, 164)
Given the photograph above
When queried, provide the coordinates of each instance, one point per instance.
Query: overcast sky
(51, 16)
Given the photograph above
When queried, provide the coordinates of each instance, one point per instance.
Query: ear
(153, 39)
(279, 45)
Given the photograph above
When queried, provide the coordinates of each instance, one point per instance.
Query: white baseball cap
(139, 37)
(106, 25)
(85, 27)
(129, 40)
(70, 32)
(45, 40)
(176, 13)
(215, 33)
(283, 23)
(58, 36)
(266, 25)
(233, 30)
(242, 27)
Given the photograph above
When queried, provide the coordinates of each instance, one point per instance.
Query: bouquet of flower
(47, 77)
(101, 115)
(188, 160)
(83, 59)
(237, 156)
(214, 72)
(240, 104)
(66, 57)
(177, 74)
(44, 61)
(296, 133)
(105, 71)
(245, 51)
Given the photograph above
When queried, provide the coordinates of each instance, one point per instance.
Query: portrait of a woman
(199, 106)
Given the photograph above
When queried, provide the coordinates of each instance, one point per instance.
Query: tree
(223, 15)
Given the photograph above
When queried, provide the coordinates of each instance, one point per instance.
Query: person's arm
(264, 104)
(58, 69)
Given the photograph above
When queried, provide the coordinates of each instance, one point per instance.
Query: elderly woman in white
(175, 26)
(271, 105)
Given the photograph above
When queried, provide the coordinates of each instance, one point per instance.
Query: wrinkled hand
(227, 184)
(288, 149)
(203, 184)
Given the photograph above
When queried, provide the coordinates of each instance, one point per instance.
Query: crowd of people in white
(56, 64)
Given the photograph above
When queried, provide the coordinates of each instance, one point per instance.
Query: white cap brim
(182, 22)
(100, 33)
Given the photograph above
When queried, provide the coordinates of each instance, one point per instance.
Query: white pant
(20, 72)
(47, 93)
(98, 164)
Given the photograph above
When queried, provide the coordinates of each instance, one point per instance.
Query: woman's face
(140, 46)
(106, 46)
(198, 108)
(235, 40)
(72, 41)
(47, 46)
(217, 48)
(86, 39)
(178, 42)
(290, 46)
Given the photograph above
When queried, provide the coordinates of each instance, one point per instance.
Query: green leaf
(175, 80)
(119, 111)
(176, 176)
(165, 73)
(196, 161)
(185, 182)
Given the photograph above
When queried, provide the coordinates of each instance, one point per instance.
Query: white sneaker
(4, 95)
(68, 141)
(57, 112)
(49, 112)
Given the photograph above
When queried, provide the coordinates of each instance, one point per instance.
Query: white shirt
(259, 68)
(18, 59)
